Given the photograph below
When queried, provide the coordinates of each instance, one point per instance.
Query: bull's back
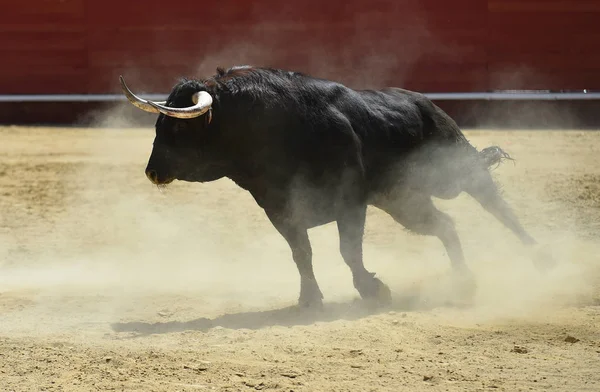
(409, 140)
(322, 128)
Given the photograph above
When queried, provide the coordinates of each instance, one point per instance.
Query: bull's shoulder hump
(402, 93)
(392, 99)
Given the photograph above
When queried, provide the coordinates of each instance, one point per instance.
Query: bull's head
(182, 148)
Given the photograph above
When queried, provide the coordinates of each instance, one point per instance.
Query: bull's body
(313, 151)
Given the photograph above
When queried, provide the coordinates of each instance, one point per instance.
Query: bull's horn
(137, 101)
(202, 102)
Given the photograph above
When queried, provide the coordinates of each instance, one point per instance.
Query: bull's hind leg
(482, 188)
(417, 213)
(351, 229)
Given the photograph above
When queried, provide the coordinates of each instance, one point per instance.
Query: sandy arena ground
(106, 283)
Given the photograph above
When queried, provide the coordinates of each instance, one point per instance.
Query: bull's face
(184, 146)
(184, 150)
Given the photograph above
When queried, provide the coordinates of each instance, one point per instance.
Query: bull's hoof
(311, 300)
(310, 295)
(542, 259)
(375, 291)
(462, 272)
(314, 303)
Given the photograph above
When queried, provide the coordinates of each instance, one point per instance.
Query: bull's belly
(314, 207)
(427, 178)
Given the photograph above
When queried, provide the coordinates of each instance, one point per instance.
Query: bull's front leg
(297, 239)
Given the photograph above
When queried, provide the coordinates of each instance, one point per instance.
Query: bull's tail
(493, 155)
(482, 187)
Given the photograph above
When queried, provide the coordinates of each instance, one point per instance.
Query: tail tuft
(493, 155)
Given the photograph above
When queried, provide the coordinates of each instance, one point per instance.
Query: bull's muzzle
(152, 176)
(157, 179)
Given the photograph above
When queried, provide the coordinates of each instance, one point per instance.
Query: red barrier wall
(81, 46)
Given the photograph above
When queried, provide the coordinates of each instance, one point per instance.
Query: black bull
(312, 151)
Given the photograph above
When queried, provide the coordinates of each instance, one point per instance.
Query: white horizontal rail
(481, 96)
(517, 96)
(73, 97)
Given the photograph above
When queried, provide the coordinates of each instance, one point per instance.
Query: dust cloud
(117, 243)
(117, 249)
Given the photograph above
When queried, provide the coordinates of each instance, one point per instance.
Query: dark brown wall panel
(43, 47)
(157, 14)
(536, 6)
(45, 12)
(540, 44)
(82, 46)
(41, 80)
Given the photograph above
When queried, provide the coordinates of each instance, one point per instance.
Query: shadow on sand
(288, 316)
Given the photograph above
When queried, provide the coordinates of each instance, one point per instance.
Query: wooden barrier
(81, 46)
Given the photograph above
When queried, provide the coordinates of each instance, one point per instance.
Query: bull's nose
(152, 176)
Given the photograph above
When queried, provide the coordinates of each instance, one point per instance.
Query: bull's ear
(220, 71)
